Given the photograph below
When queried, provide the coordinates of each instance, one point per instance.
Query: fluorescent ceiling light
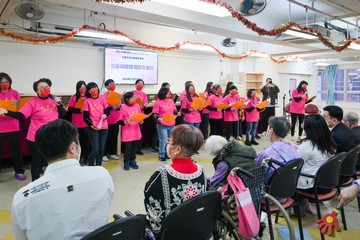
(197, 6)
(299, 33)
(102, 35)
(195, 47)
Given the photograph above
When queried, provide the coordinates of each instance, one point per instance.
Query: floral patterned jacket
(167, 188)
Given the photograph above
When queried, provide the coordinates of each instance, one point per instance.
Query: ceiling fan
(251, 7)
(29, 10)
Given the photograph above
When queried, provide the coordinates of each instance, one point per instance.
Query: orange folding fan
(237, 105)
(222, 106)
(169, 118)
(202, 95)
(23, 101)
(263, 104)
(114, 98)
(139, 117)
(197, 102)
(80, 103)
(9, 105)
(139, 101)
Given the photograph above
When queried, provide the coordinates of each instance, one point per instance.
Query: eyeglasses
(43, 87)
(4, 83)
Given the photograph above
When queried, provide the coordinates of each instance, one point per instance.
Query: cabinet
(244, 81)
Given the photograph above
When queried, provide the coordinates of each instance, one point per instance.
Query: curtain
(330, 73)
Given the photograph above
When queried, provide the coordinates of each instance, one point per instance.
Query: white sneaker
(105, 159)
(293, 138)
(115, 157)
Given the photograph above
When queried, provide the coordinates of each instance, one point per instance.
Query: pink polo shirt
(193, 116)
(166, 106)
(252, 116)
(142, 96)
(8, 124)
(231, 115)
(298, 107)
(130, 132)
(215, 100)
(77, 118)
(41, 111)
(96, 108)
(114, 113)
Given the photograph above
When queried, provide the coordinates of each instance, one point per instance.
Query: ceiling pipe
(321, 12)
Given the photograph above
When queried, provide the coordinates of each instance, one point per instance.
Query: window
(347, 85)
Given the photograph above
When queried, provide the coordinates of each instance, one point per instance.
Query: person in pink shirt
(41, 109)
(192, 115)
(112, 137)
(183, 93)
(95, 113)
(130, 130)
(138, 93)
(215, 114)
(204, 125)
(9, 127)
(77, 119)
(231, 115)
(163, 105)
(252, 117)
(299, 97)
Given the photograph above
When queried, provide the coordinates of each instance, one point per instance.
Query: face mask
(44, 93)
(212, 88)
(219, 91)
(304, 86)
(139, 87)
(112, 87)
(268, 135)
(132, 102)
(233, 93)
(168, 150)
(82, 91)
(168, 95)
(5, 87)
(253, 95)
(79, 154)
(94, 92)
(192, 91)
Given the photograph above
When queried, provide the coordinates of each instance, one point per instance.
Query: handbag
(249, 223)
(229, 203)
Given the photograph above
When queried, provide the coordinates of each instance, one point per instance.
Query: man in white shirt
(69, 201)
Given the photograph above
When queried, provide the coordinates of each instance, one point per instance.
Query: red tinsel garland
(261, 31)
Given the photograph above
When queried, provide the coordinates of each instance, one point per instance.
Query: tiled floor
(129, 193)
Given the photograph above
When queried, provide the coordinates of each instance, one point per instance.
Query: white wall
(67, 63)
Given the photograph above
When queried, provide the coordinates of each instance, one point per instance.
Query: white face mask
(79, 154)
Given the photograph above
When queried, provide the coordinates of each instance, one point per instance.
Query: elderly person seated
(228, 154)
(279, 150)
(175, 183)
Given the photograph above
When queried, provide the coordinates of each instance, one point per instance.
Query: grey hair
(280, 126)
(352, 118)
(214, 144)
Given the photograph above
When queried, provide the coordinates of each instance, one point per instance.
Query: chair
(326, 177)
(311, 109)
(129, 228)
(287, 173)
(193, 219)
(348, 168)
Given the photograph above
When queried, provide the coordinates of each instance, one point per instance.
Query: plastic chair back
(129, 228)
(328, 173)
(193, 219)
(348, 167)
(284, 180)
(311, 109)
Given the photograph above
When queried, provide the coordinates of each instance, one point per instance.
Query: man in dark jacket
(341, 134)
(270, 92)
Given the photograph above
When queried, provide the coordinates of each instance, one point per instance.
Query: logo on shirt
(39, 188)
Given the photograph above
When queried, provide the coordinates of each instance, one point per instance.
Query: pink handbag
(249, 223)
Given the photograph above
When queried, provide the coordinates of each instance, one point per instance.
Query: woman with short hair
(173, 184)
